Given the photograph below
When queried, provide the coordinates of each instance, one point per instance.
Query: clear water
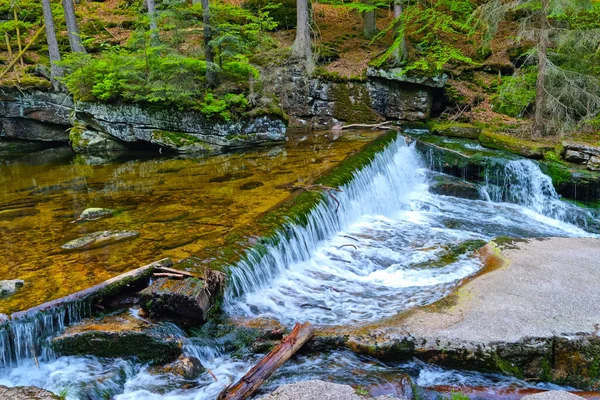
(391, 245)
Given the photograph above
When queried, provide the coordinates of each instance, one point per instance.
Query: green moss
(352, 103)
(508, 368)
(522, 147)
(177, 139)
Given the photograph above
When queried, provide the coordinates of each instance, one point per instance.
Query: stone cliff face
(312, 102)
(384, 95)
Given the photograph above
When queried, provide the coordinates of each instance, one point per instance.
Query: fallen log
(250, 383)
(110, 287)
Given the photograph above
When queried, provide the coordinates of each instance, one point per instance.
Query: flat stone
(584, 148)
(396, 74)
(552, 395)
(318, 390)
(118, 336)
(94, 213)
(26, 393)
(99, 239)
(577, 157)
(463, 131)
(446, 185)
(9, 287)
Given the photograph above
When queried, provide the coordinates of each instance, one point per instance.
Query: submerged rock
(92, 214)
(186, 300)
(9, 215)
(449, 186)
(319, 390)
(99, 239)
(26, 393)
(9, 287)
(118, 336)
(95, 142)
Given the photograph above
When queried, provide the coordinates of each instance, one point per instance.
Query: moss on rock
(522, 147)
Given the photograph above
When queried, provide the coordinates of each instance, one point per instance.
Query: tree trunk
(55, 70)
(369, 25)
(400, 53)
(540, 94)
(302, 47)
(248, 385)
(72, 28)
(152, 14)
(211, 72)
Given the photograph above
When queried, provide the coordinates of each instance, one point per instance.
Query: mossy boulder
(116, 337)
(88, 141)
(187, 301)
(522, 147)
(458, 130)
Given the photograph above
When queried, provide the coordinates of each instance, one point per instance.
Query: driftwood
(110, 287)
(167, 275)
(248, 385)
(382, 125)
(176, 271)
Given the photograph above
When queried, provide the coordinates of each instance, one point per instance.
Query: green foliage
(432, 28)
(457, 396)
(516, 93)
(283, 12)
(212, 106)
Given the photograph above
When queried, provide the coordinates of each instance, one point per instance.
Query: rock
(118, 336)
(397, 100)
(522, 147)
(464, 131)
(318, 390)
(178, 130)
(449, 186)
(189, 368)
(9, 287)
(99, 239)
(577, 157)
(187, 300)
(26, 393)
(553, 395)
(396, 74)
(35, 115)
(251, 185)
(594, 163)
(93, 142)
(93, 213)
(584, 148)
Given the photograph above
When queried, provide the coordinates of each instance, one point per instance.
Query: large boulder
(119, 336)
(26, 393)
(186, 300)
(95, 142)
(446, 185)
(99, 239)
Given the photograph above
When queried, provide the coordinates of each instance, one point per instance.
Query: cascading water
(522, 182)
(391, 245)
(23, 338)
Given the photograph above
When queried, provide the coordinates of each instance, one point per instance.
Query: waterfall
(523, 182)
(24, 337)
(381, 188)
